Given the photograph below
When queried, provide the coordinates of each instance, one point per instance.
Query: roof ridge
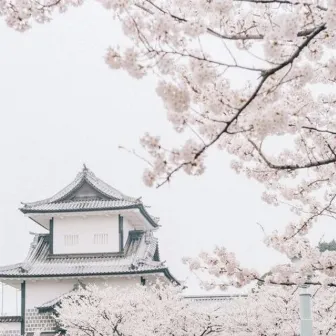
(106, 185)
(88, 176)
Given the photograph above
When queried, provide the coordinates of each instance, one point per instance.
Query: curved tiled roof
(82, 204)
(138, 257)
(106, 198)
(88, 176)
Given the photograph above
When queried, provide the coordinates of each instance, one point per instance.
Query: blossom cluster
(156, 309)
(274, 311)
(280, 51)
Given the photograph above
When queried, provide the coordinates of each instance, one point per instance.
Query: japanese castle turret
(95, 234)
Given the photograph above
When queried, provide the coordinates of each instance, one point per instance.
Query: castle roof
(214, 297)
(87, 193)
(140, 256)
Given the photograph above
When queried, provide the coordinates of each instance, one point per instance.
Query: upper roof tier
(87, 193)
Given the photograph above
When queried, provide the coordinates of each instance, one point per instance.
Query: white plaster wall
(10, 326)
(42, 291)
(113, 281)
(85, 228)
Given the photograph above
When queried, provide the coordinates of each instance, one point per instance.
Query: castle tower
(96, 234)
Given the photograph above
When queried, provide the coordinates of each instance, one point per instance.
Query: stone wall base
(36, 321)
(10, 333)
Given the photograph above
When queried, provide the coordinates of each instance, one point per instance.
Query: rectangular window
(70, 240)
(100, 238)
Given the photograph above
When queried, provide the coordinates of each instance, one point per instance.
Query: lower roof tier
(140, 256)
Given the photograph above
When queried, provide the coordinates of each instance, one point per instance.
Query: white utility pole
(306, 328)
(306, 320)
(2, 298)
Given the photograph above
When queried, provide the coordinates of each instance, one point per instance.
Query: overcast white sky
(61, 106)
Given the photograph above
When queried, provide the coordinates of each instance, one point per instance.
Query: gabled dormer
(89, 216)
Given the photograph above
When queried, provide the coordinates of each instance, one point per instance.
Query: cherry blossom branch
(215, 33)
(283, 2)
(319, 213)
(265, 75)
(133, 152)
(318, 130)
(49, 5)
(308, 283)
(291, 166)
(204, 59)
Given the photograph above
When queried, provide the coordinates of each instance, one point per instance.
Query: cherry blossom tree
(283, 54)
(274, 311)
(255, 78)
(123, 311)
(267, 310)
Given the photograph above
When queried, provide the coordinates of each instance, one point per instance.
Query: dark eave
(170, 277)
(75, 275)
(147, 216)
(138, 206)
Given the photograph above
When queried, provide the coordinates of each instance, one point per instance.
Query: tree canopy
(254, 78)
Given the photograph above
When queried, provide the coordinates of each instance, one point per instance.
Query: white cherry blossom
(235, 75)
(143, 311)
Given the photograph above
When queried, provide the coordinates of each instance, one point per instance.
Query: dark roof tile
(107, 198)
(137, 258)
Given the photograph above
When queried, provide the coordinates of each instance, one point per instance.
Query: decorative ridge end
(85, 167)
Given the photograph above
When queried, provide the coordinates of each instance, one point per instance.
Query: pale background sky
(61, 106)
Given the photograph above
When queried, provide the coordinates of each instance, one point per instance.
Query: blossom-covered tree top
(143, 311)
(274, 311)
(279, 129)
(269, 310)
